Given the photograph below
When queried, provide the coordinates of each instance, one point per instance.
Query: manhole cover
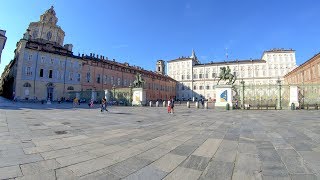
(65, 123)
(36, 124)
(60, 132)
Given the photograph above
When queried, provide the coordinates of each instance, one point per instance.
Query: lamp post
(114, 92)
(130, 95)
(279, 94)
(242, 94)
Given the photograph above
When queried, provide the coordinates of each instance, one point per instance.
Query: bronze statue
(225, 74)
(138, 83)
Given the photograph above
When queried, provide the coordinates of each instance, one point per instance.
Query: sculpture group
(225, 74)
(138, 82)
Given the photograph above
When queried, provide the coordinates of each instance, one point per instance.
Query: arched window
(27, 84)
(70, 88)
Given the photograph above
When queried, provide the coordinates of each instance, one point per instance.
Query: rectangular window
(200, 87)
(182, 77)
(207, 87)
(50, 73)
(105, 79)
(42, 59)
(207, 75)
(88, 77)
(98, 78)
(71, 76)
(79, 78)
(30, 57)
(28, 71)
(52, 61)
(214, 75)
(188, 76)
(200, 76)
(125, 82)
(194, 87)
(41, 72)
(112, 79)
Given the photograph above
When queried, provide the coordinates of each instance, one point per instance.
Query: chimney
(82, 55)
(90, 54)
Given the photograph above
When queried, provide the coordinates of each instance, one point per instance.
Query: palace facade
(198, 80)
(45, 68)
(306, 73)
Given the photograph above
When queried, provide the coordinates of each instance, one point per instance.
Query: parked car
(82, 100)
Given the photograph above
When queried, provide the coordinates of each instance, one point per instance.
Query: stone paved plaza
(58, 142)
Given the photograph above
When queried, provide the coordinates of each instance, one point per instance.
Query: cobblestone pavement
(58, 142)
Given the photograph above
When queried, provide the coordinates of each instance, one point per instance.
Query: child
(169, 106)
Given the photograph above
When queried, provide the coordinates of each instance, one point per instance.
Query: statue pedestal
(294, 96)
(138, 97)
(223, 95)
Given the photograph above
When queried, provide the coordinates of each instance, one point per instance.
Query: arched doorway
(50, 88)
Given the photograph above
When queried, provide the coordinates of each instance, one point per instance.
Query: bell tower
(160, 67)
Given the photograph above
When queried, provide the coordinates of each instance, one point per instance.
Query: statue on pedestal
(225, 74)
(139, 82)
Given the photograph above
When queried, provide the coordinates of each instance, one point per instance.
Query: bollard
(188, 104)
(227, 106)
(164, 104)
(317, 107)
(150, 103)
(157, 104)
(293, 107)
(206, 105)
(197, 105)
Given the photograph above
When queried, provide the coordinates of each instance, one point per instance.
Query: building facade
(45, 68)
(198, 80)
(306, 73)
(100, 73)
(3, 40)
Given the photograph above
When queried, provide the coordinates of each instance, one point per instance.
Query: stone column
(279, 95)
(197, 104)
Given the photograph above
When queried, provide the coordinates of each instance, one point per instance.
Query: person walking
(104, 105)
(75, 102)
(169, 106)
(172, 106)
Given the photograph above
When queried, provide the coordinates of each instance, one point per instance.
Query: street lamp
(114, 91)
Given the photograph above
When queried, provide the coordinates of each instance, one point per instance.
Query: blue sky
(143, 31)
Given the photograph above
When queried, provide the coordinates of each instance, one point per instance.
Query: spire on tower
(193, 55)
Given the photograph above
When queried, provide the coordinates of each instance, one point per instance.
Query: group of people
(171, 106)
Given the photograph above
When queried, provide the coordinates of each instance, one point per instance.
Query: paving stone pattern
(133, 143)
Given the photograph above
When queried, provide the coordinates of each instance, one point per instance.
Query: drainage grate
(60, 132)
(139, 121)
(65, 123)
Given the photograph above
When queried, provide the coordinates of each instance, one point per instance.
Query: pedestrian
(202, 103)
(103, 105)
(91, 103)
(75, 102)
(169, 106)
(172, 106)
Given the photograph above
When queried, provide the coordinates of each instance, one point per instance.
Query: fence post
(279, 95)
(242, 94)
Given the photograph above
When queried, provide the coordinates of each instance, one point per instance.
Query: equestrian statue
(139, 82)
(225, 74)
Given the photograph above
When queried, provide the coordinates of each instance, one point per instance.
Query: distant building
(45, 68)
(197, 80)
(3, 40)
(306, 73)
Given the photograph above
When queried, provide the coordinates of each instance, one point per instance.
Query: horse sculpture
(138, 83)
(225, 74)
